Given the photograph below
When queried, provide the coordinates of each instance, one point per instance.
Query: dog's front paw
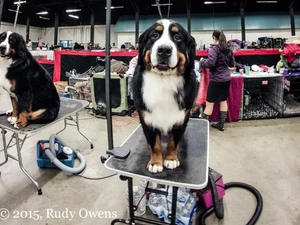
(16, 126)
(171, 164)
(9, 112)
(21, 124)
(12, 120)
(155, 168)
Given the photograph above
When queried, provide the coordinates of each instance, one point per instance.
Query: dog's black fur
(185, 97)
(33, 86)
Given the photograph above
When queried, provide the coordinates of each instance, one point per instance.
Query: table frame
(19, 141)
(128, 176)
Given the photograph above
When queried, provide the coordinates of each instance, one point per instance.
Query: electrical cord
(248, 187)
(96, 178)
(218, 204)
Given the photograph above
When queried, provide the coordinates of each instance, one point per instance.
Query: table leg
(130, 199)
(76, 123)
(174, 205)
(4, 147)
(78, 129)
(65, 126)
(19, 148)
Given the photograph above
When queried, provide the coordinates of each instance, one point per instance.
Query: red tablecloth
(239, 53)
(234, 96)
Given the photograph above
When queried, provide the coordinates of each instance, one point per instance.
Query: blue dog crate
(44, 162)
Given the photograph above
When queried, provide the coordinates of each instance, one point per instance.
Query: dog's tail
(44, 115)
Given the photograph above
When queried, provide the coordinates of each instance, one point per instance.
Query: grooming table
(68, 108)
(192, 172)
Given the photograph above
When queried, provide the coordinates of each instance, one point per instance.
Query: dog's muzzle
(164, 52)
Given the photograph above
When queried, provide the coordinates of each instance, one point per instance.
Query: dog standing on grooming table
(164, 88)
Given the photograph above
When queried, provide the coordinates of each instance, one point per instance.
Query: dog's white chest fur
(4, 83)
(159, 96)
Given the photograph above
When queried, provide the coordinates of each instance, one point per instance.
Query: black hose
(248, 187)
(218, 204)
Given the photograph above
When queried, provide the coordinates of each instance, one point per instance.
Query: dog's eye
(155, 35)
(177, 37)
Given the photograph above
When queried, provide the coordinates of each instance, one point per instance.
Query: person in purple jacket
(220, 62)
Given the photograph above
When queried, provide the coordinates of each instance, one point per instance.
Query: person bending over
(220, 62)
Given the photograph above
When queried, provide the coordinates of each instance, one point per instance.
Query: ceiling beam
(59, 3)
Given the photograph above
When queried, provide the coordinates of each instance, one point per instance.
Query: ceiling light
(208, 3)
(116, 7)
(19, 2)
(44, 18)
(73, 16)
(73, 10)
(162, 4)
(267, 1)
(42, 13)
(12, 10)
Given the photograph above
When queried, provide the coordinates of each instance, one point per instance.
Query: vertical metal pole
(292, 16)
(92, 27)
(188, 8)
(1, 9)
(56, 28)
(107, 77)
(243, 26)
(27, 28)
(137, 26)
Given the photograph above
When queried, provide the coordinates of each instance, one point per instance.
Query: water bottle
(139, 200)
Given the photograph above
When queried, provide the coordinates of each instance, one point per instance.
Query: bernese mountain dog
(33, 94)
(164, 88)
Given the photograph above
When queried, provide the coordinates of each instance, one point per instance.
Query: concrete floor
(262, 153)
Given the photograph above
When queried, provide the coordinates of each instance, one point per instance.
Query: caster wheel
(92, 146)
(40, 191)
(103, 159)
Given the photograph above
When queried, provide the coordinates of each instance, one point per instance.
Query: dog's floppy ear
(191, 50)
(142, 43)
(22, 49)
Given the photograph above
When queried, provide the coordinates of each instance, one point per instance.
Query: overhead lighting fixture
(73, 10)
(167, 4)
(116, 7)
(42, 13)
(209, 3)
(12, 10)
(44, 18)
(20, 2)
(267, 1)
(73, 16)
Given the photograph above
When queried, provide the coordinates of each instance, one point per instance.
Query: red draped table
(234, 100)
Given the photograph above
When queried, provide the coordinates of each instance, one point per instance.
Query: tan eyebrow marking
(159, 28)
(175, 29)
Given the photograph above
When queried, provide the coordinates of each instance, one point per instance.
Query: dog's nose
(164, 51)
(2, 49)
